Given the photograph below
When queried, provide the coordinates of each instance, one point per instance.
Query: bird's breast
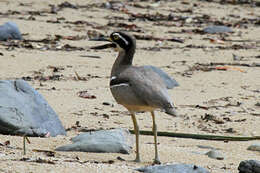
(123, 93)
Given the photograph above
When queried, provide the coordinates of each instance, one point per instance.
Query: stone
(23, 111)
(10, 30)
(207, 147)
(103, 141)
(215, 154)
(257, 104)
(217, 29)
(254, 147)
(169, 82)
(249, 166)
(173, 168)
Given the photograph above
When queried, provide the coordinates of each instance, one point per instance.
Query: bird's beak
(105, 46)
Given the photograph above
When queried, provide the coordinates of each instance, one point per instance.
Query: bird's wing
(169, 82)
(148, 87)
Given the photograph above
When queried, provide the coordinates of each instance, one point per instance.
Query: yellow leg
(136, 129)
(156, 158)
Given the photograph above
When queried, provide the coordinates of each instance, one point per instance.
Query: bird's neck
(123, 60)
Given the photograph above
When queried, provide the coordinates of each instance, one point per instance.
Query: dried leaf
(7, 143)
(47, 152)
(86, 95)
(216, 41)
(229, 68)
(79, 77)
(37, 160)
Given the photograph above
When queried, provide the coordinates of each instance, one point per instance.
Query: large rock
(10, 30)
(103, 141)
(24, 111)
(169, 82)
(175, 168)
(249, 166)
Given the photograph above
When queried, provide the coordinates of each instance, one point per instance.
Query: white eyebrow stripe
(126, 42)
(118, 85)
(112, 78)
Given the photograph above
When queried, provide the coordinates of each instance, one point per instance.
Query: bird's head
(118, 40)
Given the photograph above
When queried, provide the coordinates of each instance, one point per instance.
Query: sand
(230, 96)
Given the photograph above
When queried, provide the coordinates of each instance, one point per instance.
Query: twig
(242, 40)
(25, 138)
(200, 136)
(210, 107)
(91, 56)
(77, 76)
(231, 64)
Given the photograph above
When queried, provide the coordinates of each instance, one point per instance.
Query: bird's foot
(156, 161)
(137, 160)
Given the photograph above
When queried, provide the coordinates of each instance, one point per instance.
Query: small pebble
(215, 154)
(237, 58)
(256, 64)
(188, 20)
(206, 147)
(217, 29)
(254, 147)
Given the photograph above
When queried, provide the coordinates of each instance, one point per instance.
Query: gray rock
(169, 82)
(257, 104)
(217, 29)
(249, 166)
(10, 30)
(176, 168)
(103, 141)
(215, 154)
(254, 147)
(24, 111)
(207, 147)
(237, 58)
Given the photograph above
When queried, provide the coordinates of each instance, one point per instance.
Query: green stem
(200, 136)
(24, 147)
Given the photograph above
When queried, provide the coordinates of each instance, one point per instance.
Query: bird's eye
(116, 37)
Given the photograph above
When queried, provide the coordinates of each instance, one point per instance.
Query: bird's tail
(171, 111)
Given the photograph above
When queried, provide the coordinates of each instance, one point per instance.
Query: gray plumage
(145, 88)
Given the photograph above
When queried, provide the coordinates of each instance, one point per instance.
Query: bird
(138, 88)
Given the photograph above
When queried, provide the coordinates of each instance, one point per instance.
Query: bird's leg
(156, 158)
(136, 129)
